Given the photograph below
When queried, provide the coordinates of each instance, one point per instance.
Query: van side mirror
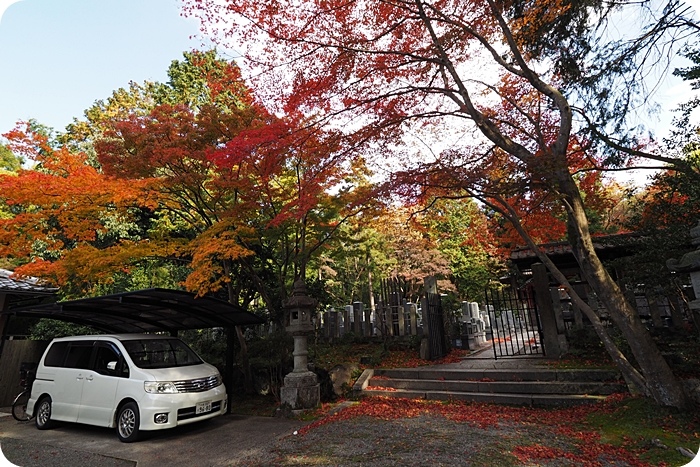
(111, 366)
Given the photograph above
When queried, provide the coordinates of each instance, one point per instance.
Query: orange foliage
(63, 205)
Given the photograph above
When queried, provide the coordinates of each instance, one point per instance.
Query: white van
(132, 382)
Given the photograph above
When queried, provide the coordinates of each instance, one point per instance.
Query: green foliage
(461, 234)
(358, 250)
(9, 163)
(566, 38)
(273, 350)
(190, 83)
(146, 273)
(157, 272)
(636, 422)
(81, 134)
(210, 344)
(8, 160)
(270, 360)
(7, 263)
(346, 352)
(47, 329)
(691, 73)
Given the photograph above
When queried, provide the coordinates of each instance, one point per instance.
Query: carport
(149, 310)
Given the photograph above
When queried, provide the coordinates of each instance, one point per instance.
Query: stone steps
(531, 386)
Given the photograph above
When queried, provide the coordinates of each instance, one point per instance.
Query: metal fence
(514, 322)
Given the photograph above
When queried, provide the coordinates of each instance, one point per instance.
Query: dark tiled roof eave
(18, 286)
(601, 243)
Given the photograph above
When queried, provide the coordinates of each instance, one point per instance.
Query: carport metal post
(230, 342)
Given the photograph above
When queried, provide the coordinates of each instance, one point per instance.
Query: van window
(56, 354)
(160, 353)
(78, 355)
(106, 353)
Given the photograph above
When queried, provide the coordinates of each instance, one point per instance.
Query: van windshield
(160, 353)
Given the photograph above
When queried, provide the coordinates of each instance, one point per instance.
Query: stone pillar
(334, 323)
(368, 331)
(347, 319)
(400, 315)
(412, 318)
(301, 389)
(550, 335)
(357, 318)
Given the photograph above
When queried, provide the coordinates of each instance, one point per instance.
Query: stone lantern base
(301, 391)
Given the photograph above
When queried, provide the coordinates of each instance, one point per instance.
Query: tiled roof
(618, 242)
(20, 286)
(549, 249)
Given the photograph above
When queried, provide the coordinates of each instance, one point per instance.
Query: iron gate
(436, 326)
(515, 323)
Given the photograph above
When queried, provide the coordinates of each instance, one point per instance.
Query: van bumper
(161, 411)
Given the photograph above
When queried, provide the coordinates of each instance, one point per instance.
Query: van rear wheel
(43, 414)
(128, 422)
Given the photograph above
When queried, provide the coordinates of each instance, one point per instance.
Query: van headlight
(160, 387)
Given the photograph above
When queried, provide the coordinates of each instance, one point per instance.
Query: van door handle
(79, 377)
(89, 378)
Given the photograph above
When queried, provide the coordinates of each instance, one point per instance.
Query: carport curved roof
(149, 310)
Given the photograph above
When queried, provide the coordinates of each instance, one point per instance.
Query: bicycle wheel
(19, 407)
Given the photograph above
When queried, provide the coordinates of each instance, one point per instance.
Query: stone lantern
(301, 389)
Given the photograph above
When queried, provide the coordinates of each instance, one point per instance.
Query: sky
(57, 57)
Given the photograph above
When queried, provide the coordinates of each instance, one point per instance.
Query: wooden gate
(515, 323)
(395, 316)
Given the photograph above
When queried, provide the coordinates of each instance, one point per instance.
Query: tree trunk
(661, 383)
(635, 381)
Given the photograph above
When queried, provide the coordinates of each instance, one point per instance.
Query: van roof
(120, 337)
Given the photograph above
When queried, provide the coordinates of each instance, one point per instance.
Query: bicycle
(19, 405)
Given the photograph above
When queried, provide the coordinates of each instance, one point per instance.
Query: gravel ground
(26, 454)
(420, 441)
(427, 439)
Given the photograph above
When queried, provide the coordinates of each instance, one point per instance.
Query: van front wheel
(128, 422)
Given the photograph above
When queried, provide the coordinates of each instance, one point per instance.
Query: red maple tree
(494, 69)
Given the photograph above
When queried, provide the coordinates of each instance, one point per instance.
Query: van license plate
(203, 407)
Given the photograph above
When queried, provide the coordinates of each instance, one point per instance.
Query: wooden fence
(15, 352)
